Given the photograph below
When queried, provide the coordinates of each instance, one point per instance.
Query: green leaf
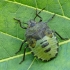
(61, 7)
(12, 35)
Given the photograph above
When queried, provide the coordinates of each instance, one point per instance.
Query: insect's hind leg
(24, 54)
(61, 36)
(20, 23)
(21, 46)
(37, 15)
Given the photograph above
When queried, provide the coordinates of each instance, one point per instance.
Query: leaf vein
(40, 9)
(61, 7)
(13, 57)
(31, 64)
(11, 36)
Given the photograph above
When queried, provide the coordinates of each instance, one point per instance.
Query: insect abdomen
(46, 48)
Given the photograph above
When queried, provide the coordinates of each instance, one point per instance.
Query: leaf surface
(61, 7)
(12, 35)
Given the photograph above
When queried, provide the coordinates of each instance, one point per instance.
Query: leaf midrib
(38, 9)
(16, 56)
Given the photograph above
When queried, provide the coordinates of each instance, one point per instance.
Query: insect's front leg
(60, 36)
(21, 46)
(20, 23)
(24, 54)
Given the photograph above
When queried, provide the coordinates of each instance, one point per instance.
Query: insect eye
(32, 24)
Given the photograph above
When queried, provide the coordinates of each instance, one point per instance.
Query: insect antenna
(50, 19)
(37, 14)
(20, 23)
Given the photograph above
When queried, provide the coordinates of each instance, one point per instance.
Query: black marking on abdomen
(47, 50)
(45, 44)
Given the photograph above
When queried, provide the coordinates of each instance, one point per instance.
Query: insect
(40, 39)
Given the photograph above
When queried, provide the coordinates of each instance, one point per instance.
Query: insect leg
(21, 46)
(37, 14)
(50, 18)
(20, 23)
(24, 54)
(61, 36)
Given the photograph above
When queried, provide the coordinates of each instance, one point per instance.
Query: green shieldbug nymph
(40, 39)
